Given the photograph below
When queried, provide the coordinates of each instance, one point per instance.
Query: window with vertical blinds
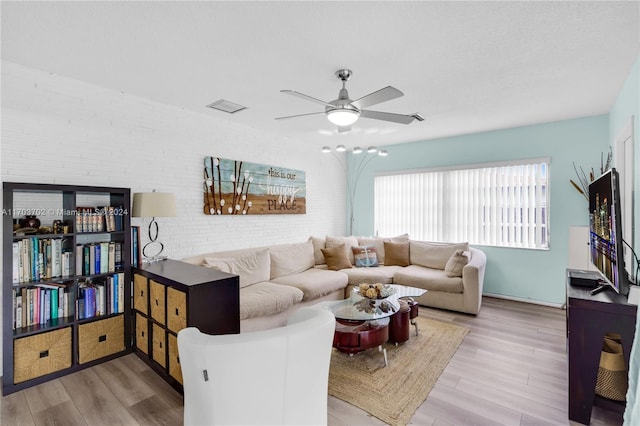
(504, 204)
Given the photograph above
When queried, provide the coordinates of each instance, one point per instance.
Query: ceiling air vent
(226, 106)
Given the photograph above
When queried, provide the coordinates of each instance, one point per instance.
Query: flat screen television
(605, 233)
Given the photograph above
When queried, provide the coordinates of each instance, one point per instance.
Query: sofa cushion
(267, 298)
(315, 282)
(287, 259)
(335, 258)
(428, 278)
(456, 263)
(365, 256)
(348, 243)
(396, 253)
(378, 243)
(382, 274)
(318, 245)
(251, 268)
(433, 255)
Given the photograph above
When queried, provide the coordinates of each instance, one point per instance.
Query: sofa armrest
(473, 280)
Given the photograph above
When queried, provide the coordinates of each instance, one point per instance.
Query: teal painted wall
(526, 274)
(628, 104)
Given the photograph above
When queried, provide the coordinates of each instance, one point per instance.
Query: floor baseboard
(520, 299)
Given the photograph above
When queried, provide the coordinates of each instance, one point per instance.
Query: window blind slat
(503, 205)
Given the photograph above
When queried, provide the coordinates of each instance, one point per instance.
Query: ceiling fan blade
(299, 115)
(388, 116)
(307, 97)
(382, 95)
(344, 129)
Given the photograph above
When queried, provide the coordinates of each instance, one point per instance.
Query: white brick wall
(60, 130)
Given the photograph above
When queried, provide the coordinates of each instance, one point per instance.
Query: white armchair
(276, 376)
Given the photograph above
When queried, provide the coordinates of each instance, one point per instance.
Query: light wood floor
(511, 369)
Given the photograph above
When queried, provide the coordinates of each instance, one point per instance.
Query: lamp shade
(154, 204)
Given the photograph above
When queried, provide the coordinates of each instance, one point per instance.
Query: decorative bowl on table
(371, 298)
(375, 291)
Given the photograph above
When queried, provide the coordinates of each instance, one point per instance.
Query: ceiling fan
(343, 112)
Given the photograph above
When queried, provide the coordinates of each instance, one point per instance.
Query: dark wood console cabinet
(589, 318)
(171, 295)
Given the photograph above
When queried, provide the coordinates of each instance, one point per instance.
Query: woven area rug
(394, 393)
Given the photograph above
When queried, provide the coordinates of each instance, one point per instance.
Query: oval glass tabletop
(360, 308)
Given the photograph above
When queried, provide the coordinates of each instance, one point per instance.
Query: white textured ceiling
(465, 66)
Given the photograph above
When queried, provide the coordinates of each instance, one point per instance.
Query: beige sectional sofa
(278, 279)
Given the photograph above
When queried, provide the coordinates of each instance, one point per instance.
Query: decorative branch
(583, 181)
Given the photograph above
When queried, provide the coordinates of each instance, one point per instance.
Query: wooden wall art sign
(238, 187)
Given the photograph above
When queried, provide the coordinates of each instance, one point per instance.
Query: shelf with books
(64, 281)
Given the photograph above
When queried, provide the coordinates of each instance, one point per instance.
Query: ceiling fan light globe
(342, 117)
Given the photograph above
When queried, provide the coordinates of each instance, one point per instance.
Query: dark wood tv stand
(589, 318)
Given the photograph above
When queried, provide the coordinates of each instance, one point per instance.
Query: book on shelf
(18, 312)
(79, 259)
(37, 259)
(40, 304)
(118, 257)
(104, 258)
(111, 256)
(91, 219)
(92, 261)
(136, 255)
(98, 258)
(100, 296)
(16, 262)
(86, 255)
(118, 218)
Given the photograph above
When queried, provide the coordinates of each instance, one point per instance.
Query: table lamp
(153, 204)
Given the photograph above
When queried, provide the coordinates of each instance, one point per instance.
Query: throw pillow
(365, 256)
(396, 253)
(433, 255)
(335, 258)
(318, 244)
(287, 259)
(456, 263)
(348, 242)
(252, 268)
(378, 243)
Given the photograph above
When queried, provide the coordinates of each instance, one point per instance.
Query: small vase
(30, 221)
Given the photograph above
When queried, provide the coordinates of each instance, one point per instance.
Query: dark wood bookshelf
(62, 201)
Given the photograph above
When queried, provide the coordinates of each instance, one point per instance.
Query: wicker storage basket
(174, 360)
(142, 334)
(176, 309)
(612, 373)
(140, 290)
(159, 351)
(157, 300)
(41, 354)
(100, 338)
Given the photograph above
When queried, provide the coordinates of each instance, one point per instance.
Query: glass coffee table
(363, 323)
